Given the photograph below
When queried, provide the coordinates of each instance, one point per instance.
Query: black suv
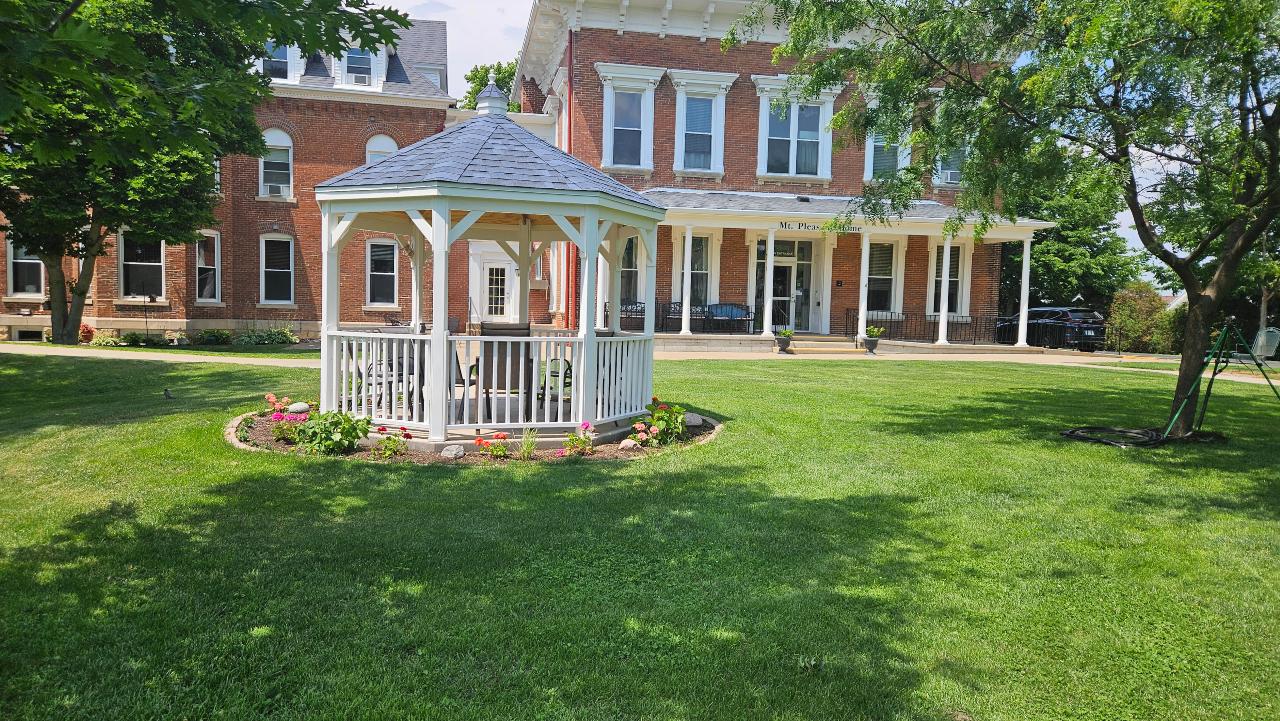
(1078, 328)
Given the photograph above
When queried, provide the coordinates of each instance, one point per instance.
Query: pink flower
(639, 426)
(561, 453)
(586, 426)
(271, 397)
(277, 416)
(653, 429)
(642, 436)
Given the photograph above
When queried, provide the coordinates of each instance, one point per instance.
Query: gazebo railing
(514, 382)
(378, 376)
(624, 367)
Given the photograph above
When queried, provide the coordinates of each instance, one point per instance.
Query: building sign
(812, 227)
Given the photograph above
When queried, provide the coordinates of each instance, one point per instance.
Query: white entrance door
(493, 284)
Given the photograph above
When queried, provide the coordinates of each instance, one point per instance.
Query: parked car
(1078, 328)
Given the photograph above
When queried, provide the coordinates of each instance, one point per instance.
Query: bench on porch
(713, 318)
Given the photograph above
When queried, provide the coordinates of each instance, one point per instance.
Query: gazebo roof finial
(491, 100)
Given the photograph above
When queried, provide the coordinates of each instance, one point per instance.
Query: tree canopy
(1175, 99)
(478, 78)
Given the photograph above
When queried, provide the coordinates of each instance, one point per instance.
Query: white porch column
(864, 272)
(525, 268)
(650, 242)
(617, 247)
(585, 381)
(438, 388)
(1024, 299)
(767, 291)
(944, 305)
(419, 251)
(686, 282)
(329, 308)
(827, 274)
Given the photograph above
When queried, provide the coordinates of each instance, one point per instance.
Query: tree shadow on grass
(571, 590)
(88, 392)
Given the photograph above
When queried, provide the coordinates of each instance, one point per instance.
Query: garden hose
(1118, 437)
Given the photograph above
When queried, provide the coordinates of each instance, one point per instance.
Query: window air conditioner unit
(360, 80)
(275, 190)
(951, 176)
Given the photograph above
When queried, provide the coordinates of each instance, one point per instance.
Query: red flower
(479, 441)
(501, 436)
(407, 436)
(403, 429)
(382, 429)
(655, 399)
(664, 407)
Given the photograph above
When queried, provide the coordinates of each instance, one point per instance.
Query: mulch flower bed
(258, 434)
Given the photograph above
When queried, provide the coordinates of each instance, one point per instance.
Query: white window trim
(641, 281)
(899, 277)
(262, 269)
(217, 269)
(938, 180)
(293, 172)
(868, 169)
(13, 292)
(164, 271)
(772, 87)
(377, 72)
(702, 84)
(368, 272)
(964, 247)
(714, 238)
(296, 65)
(632, 79)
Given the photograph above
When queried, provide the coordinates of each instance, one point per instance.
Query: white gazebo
(488, 179)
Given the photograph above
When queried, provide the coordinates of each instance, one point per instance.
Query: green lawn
(865, 540)
(1246, 367)
(265, 351)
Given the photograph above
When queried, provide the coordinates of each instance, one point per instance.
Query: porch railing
(514, 382)
(923, 327)
(622, 378)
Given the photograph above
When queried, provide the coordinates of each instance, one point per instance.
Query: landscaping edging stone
(473, 456)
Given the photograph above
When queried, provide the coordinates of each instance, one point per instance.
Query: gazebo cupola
(488, 179)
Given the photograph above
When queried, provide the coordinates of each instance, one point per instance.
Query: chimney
(491, 100)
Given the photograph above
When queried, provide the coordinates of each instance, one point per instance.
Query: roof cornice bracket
(706, 20)
(622, 15)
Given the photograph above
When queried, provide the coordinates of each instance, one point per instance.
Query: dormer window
(276, 64)
(359, 67)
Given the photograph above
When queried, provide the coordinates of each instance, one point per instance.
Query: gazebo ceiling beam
(342, 229)
(464, 225)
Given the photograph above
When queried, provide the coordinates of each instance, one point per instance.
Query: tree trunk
(1195, 344)
(66, 313)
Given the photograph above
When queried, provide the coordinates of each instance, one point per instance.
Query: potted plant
(872, 339)
(783, 339)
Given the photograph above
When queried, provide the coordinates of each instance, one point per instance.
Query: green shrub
(105, 339)
(1133, 319)
(663, 425)
(332, 433)
(389, 447)
(133, 338)
(1170, 330)
(213, 336)
(266, 336)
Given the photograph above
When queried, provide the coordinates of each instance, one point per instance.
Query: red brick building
(749, 177)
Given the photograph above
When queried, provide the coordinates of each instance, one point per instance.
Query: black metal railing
(923, 327)
(712, 318)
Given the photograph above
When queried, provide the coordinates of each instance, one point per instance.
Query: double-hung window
(699, 271)
(880, 277)
(795, 137)
(630, 272)
(26, 273)
(379, 147)
(359, 66)
(382, 261)
(276, 63)
(950, 166)
(141, 268)
(953, 287)
(208, 267)
(700, 123)
(276, 167)
(628, 115)
(277, 269)
(884, 158)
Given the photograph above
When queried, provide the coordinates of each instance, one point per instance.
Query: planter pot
(784, 344)
(870, 344)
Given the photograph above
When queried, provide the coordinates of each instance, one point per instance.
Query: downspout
(571, 264)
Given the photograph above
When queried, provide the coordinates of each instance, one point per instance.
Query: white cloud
(480, 31)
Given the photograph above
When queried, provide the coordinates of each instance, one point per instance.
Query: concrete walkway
(1052, 359)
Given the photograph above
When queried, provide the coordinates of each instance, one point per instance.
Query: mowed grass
(264, 351)
(1247, 367)
(865, 540)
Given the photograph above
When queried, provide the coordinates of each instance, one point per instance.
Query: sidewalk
(1052, 359)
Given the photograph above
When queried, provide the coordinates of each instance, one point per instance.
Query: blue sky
(480, 31)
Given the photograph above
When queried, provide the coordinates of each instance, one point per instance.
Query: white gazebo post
(1025, 298)
(525, 268)
(440, 389)
(328, 311)
(767, 291)
(586, 376)
(944, 305)
(864, 266)
(617, 248)
(602, 289)
(686, 283)
(649, 239)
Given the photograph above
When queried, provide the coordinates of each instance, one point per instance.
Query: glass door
(783, 296)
